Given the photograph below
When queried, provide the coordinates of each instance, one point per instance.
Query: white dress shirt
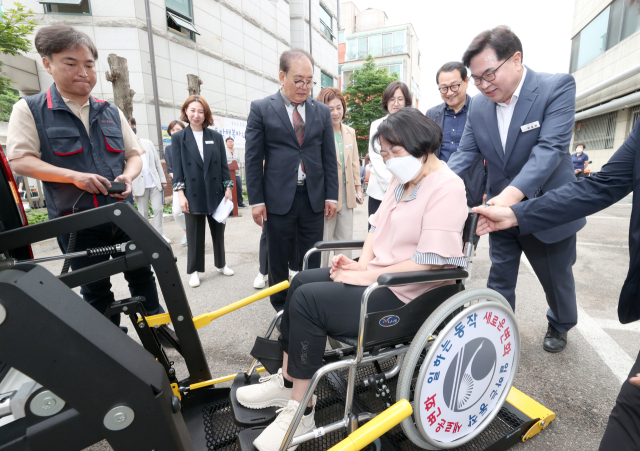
(199, 136)
(504, 112)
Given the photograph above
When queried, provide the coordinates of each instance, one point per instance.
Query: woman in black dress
(202, 180)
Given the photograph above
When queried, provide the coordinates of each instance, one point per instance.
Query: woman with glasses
(396, 96)
(340, 227)
(417, 227)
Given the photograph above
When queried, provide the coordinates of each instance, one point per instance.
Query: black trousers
(239, 191)
(552, 263)
(141, 281)
(301, 226)
(195, 240)
(316, 307)
(374, 204)
(623, 428)
(264, 254)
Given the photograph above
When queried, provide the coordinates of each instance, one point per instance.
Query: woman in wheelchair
(417, 227)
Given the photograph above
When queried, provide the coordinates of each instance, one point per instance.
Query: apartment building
(394, 47)
(605, 62)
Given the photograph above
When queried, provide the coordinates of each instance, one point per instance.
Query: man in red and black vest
(74, 143)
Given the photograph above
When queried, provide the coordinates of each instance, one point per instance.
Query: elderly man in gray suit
(522, 126)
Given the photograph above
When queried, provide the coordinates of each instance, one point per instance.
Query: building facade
(605, 62)
(395, 48)
(232, 45)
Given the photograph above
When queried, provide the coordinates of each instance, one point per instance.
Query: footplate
(246, 438)
(248, 418)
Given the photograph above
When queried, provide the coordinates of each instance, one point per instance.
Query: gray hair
(60, 37)
(290, 55)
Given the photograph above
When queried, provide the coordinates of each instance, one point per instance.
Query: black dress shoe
(163, 341)
(554, 341)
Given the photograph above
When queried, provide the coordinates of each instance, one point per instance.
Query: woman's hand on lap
(342, 262)
(352, 277)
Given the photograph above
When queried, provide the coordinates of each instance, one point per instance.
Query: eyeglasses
(302, 84)
(489, 76)
(397, 101)
(454, 88)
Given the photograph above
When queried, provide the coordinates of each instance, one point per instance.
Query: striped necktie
(298, 123)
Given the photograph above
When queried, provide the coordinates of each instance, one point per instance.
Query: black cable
(72, 238)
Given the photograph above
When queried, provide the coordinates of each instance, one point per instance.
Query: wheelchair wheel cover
(421, 427)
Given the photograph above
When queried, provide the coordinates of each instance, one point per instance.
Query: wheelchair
(455, 353)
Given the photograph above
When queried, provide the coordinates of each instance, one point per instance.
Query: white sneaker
(259, 281)
(194, 281)
(226, 271)
(271, 438)
(269, 392)
(166, 239)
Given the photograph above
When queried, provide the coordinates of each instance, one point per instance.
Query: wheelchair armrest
(347, 244)
(408, 278)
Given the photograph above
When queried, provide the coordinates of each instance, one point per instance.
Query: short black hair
(229, 138)
(56, 38)
(501, 39)
(581, 144)
(131, 120)
(412, 130)
(294, 54)
(450, 67)
(391, 89)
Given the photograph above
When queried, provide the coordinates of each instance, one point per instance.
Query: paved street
(579, 384)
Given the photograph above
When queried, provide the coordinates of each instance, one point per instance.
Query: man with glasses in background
(293, 134)
(451, 115)
(522, 127)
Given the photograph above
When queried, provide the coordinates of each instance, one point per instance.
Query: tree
(364, 99)
(15, 29)
(8, 98)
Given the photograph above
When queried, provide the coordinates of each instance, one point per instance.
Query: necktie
(298, 128)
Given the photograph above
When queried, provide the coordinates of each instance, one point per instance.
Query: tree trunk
(193, 82)
(119, 78)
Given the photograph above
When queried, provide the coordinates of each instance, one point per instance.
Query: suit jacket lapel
(192, 146)
(310, 112)
(208, 149)
(491, 121)
(523, 106)
(278, 105)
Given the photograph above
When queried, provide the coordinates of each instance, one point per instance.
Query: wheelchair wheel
(444, 381)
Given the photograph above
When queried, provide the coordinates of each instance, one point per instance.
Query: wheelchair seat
(392, 327)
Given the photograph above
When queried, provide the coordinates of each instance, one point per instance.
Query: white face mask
(404, 169)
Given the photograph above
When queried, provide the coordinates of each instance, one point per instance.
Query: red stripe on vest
(70, 153)
(95, 201)
(49, 101)
(111, 149)
(99, 101)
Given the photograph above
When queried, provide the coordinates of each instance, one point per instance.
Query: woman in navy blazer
(202, 180)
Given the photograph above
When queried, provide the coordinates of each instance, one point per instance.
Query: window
(352, 49)
(326, 23)
(66, 7)
(326, 80)
(341, 37)
(615, 23)
(363, 50)
(180, 18)
(387, 44)
(634, 114)
(597, 132)
(346, 79)
(375, 45)
(397, 68)
(398, 41)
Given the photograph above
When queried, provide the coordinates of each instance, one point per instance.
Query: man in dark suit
(572, 201)
(451, 115)
(294, 136)
(522, 126)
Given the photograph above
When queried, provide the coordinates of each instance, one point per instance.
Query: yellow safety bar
(532, 409)
(204, 319)
(380, 425)
(219, 380)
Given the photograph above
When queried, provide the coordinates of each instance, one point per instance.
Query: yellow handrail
(219, 380)
(380, 425)
(204, 319)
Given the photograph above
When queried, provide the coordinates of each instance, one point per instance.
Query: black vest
(64, 143)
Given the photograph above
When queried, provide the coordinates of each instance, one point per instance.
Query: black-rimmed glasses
(302, 84)
(454, 88)
(489, 76)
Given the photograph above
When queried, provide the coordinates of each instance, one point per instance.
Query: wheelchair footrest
(246, 438)
(243, 416)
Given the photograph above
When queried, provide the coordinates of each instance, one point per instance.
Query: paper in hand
(222, 212)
